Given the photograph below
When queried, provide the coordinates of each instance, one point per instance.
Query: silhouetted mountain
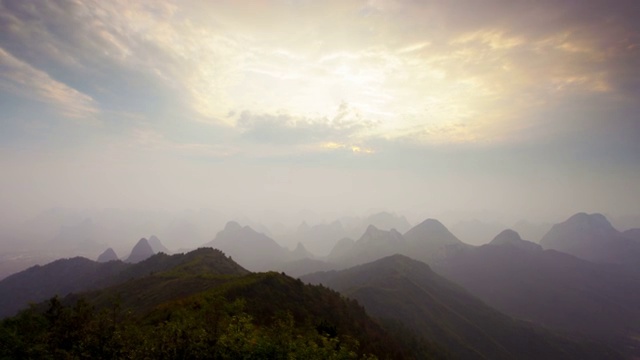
(107, 255)
(341, 248)
(554, 289)
(59, 277)
(512, 238)
(252, 249)
(299, 253)
(431, 241)
(633, 234)
(591, 237)
(373, 244)
(407, 290)
(79, 274)
(157, 245)
(141, 251)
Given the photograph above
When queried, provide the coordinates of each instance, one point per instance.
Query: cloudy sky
(519, 108)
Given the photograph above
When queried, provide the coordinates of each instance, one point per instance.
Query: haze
(498, 111)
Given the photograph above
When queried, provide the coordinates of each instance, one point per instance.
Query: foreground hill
(407, 290)
(200, 309)
(65, 276)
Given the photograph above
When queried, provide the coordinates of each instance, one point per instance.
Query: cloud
(21, 78)
(427, 70)
(346, 124)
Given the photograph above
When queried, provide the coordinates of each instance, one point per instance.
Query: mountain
(633, 234)
(195, 311)
(58, 277)
(157, 246)
(554, 289)
(373, 244)
(407, 290)
(511, 238)
(591, 237)
(341, 248)
(299, 253)
(65, 276)
(431, 241)
(252, 249)
(107, 255)
(141, 251)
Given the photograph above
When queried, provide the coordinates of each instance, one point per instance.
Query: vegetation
(191, 311)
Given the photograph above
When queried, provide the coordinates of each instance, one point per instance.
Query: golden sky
(377, 85)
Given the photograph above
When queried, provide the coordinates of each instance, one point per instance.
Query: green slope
(204, 307)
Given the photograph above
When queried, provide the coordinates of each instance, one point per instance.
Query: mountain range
(400, 288)
(471, 305)
(592, 237)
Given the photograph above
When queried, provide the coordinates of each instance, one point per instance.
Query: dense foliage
(207, 329)
(202, 307)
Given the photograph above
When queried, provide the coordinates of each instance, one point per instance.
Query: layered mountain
(591, 237)
(194, 310)
(157, 246)
(373, 244)
(141, 251)
(633, 234)
(511, 238)
(407, 290)
(553, 289)
(65, 276)
(341, 248)
(60, 277)
(252, 249)
(299, 253)
(431, 241)
(107, 255)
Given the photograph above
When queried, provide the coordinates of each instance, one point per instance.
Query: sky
(515, 109)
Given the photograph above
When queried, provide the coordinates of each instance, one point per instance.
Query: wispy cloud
(21, 78)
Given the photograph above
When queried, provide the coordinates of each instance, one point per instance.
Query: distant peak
(108, 255)
(431, 226)
(592, 220)
(433, 223)
(506, 236)
(232, 226)
(371, 229)
(141, 251)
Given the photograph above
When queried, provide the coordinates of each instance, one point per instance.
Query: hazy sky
(520, 108)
